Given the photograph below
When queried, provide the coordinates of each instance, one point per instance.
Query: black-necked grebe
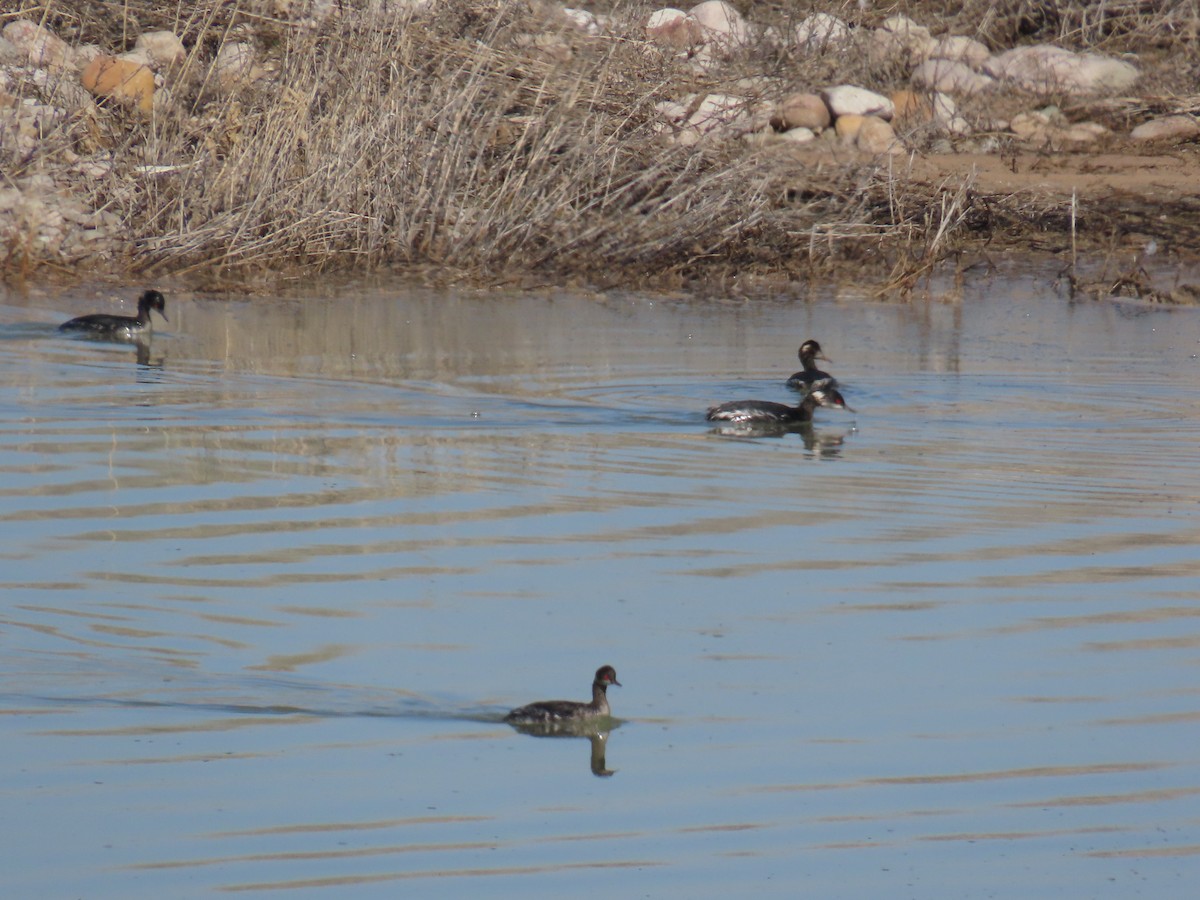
(549, 711)
(103, 325)
(764, 412)
(808, 377)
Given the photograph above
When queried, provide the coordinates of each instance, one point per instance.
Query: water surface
(270, 583)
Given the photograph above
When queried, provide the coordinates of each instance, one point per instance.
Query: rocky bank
(1038, 121)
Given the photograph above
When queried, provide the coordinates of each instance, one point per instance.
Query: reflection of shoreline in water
(142, 343)
(820, 441)
(597, 736)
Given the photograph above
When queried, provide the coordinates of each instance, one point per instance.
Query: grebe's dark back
(549, 711)
(103, 325)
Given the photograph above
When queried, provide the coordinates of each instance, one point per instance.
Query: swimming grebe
(764, 412)
(120, 327)
(547, 711)
(810, 375)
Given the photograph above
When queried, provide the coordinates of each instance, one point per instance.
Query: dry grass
(489, 140)
(495, 141)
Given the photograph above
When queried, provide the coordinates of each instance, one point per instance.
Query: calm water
(267, 591)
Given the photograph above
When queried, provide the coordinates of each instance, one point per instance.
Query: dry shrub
(485, 139)
(489, 138)
(1112, 25)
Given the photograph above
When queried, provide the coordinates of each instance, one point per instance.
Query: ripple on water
(269, 587)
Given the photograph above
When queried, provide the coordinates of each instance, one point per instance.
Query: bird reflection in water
(818, 441)
(147, 358)
(597, 737)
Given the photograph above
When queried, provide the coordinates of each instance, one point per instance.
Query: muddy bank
(517, 142)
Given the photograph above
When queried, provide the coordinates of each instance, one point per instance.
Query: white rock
(66, 92)
(41, 47)
(663, 16)
(672, 112)
(1084, 132)
(673, 28)
(1097, 73)
(961, 49)
(1045, 68)
(798, 135)
(721, 21)
(722, 111)
(951, 77)
(84, 54)
(10, 53)
(1168, 128)
(901, 36)
(162, 48)
(583, 20)
(819, 31)
(140, 57)
(234, 62)
(848, 100)
(1028, 125)
(903, 25)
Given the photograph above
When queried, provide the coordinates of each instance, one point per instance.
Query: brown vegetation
(494, 140)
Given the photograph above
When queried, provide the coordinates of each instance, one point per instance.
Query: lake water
(269, 585)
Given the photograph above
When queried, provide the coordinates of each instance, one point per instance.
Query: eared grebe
(764, 412)
(550, 711)
(103, 325)
(810, 375)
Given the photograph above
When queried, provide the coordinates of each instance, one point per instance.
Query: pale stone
(721, 21)
(672, 112)
(760, 138)
(1027, 125)
(761, 114)
(950, 77)
(234, 63)
(1084, 133)
(799, 135)
(802, 111)
(819, 31)
(1044, 68)
(163, 48)
(903, 25)
(876, 136)
(1097, 73)
(582, 19)
(722, 112)
(961, 49)
(846, 99)
(945, 115)
(673, 28)
(10, 53)
(120, 79)
(40, 46)
(61, 90)
(139, 57)
(84, 54)
(1168, 128)
(703, 59)
(900, 36)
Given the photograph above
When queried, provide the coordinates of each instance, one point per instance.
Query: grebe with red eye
(764, 412)
(103, 325)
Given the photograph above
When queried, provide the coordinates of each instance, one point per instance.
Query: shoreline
(501, 143)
